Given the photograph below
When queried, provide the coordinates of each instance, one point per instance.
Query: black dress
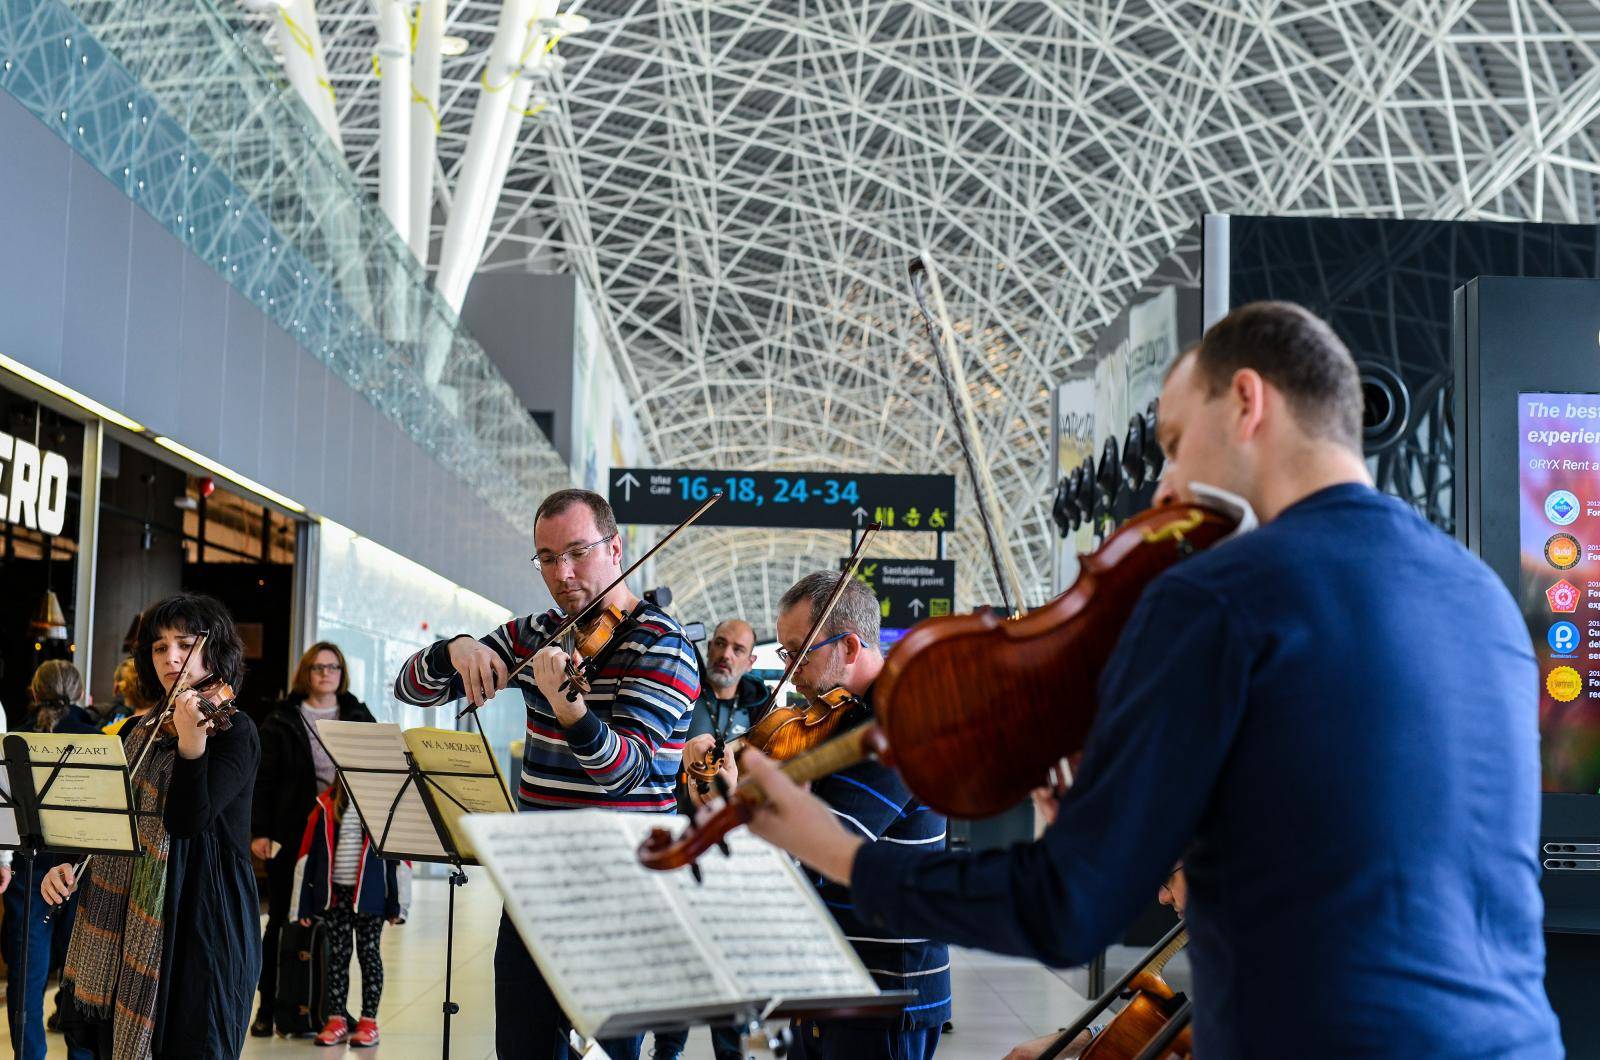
(211, 948)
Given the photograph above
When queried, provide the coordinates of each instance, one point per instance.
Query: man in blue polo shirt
(871, 803)
(1330, 719)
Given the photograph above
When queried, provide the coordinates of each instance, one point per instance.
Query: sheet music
(361, 745)
(62, 822)
(448, 751)
(603, 928)
(783, 942)
(613, 937)
(10, 834)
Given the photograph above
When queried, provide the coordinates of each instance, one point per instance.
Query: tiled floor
(999, 1001)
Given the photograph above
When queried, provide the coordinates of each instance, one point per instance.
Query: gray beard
(723, 691)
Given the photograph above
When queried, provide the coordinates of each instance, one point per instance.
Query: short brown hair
(856, 612)
(301, 685)
(605, 520)
(1297, 352)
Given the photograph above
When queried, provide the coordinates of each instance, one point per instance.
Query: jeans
(28, 994)
(528, 1022)
(725, 1044)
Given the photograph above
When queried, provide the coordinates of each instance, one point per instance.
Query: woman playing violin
(1332, 719)
(166, 948)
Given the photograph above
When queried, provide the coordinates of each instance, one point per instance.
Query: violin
(973, 710)
(597, 623)
(784, 732)
(215, 698)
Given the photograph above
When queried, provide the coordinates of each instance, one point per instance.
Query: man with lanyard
(1330, 719)
(732, 700)
(615, 747)
(870, 802)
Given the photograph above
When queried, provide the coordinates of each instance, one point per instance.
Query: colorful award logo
(1562, 551)
(1563, 597)
(1563, 638)
(1562, 507)
(1563, 684)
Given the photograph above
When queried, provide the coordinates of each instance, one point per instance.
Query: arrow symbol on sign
(627, 482)
(916, 608)
(861, 515)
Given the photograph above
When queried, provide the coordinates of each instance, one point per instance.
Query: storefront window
(41, 467)
(162, 531)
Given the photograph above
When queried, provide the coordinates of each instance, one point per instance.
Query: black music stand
(26, 802)
(431, 794)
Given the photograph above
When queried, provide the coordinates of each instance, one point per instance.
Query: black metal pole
(27, 937)
(457, 878)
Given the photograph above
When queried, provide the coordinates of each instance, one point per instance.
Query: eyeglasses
(325, 668)
(784, 655)
(577, 555)
(1167, 883)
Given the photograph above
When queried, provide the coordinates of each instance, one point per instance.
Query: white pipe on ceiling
(425, 65)
(459, 252)
(305, 61)
(393, 64)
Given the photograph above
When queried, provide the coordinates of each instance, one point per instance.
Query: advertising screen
(1558, 453)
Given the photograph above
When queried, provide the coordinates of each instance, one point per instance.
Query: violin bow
(575, 620)
(160, 716)
(924, 281)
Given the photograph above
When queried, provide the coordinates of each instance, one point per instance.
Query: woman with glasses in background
(295, 769)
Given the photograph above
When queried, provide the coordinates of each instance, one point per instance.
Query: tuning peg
(722, 845)
(694, 870)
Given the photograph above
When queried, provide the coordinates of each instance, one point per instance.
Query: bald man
(731, 700)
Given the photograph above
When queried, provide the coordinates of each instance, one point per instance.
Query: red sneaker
(335, 1033)
(365, 1034)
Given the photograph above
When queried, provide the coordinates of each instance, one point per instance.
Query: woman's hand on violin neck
(190, 723)
(549, 672)
(483, 673)
(56, 886)
(797, 821)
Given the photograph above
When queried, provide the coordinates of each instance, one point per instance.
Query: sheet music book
(460, 768)
(626, 948)
(85, 801)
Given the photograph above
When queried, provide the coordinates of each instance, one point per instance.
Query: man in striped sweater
(616, 747)
(873, 804)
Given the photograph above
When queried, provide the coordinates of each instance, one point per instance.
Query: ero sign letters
(33, 486)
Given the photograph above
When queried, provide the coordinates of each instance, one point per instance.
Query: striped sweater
(624, 753)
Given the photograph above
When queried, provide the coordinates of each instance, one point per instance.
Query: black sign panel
(909, 590)
(823, 500)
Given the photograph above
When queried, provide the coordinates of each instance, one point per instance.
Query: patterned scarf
(113, 964)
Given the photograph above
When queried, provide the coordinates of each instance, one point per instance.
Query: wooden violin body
(785, 732)
(978, 708)
(217, 705)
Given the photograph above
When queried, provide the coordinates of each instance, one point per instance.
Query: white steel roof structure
(741, 184)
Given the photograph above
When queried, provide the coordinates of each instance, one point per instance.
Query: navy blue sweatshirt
(1332, 719)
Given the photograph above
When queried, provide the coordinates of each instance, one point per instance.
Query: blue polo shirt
(871, 801)
(1333, 721)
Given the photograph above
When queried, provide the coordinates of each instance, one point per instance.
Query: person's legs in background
(25, 996)
(668, 1045)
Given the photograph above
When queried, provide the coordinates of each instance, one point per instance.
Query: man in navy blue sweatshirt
(1331, 720)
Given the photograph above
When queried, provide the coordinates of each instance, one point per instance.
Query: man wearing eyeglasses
(872, 803)
(615, 747)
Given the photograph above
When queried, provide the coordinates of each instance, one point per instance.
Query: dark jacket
(211, 927)
(286, 787)
(749, 697)
(383, 888)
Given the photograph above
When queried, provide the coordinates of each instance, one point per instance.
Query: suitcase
(301, 1009)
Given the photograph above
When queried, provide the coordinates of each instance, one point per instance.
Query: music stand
(81, 787)
(433, 797)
